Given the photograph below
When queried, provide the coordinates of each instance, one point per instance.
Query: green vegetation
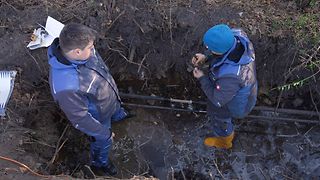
(305, 28)
(313, 3)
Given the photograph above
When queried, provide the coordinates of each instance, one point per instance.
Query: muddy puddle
(160, 144)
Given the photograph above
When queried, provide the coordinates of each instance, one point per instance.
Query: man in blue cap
(231, 84)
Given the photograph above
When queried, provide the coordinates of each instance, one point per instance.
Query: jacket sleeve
(75, 105)
(222, 91)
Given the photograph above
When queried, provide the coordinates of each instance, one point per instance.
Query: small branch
(172, 173)
(75, 4)
(23, 165)
(308, 131)
(74, 170)
(31, 100)
(57, 151)
(314, 103)
(170, 22)
(124, 57)
(210, 174)
(310, 57)
(58, 148)
(184, 176)
(141, 29)
(47, 8)
(122, 13)
(262, 173)
(29, 169)
(287, 135)
(143, 59)
(34, 59)
(39, 142)
(15, 9)
(132, 53)
(215, 164)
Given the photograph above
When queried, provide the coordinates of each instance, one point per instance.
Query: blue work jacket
(233, 84)
(85, 91)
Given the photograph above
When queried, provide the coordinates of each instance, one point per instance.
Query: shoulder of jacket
(64, 79)
(229, 70)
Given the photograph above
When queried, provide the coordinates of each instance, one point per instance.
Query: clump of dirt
(147, 45)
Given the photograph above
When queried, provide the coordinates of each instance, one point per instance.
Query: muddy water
(161, 144)
(168, 144)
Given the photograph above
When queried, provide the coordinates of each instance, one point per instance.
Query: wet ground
(167, 146)
(147, 44)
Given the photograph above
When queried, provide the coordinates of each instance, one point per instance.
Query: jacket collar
(57, 52)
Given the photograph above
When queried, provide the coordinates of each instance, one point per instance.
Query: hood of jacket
(56, 58)
(246, 57)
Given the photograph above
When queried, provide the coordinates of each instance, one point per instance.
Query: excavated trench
(168, 144)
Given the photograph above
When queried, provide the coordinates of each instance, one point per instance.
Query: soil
(146, 45)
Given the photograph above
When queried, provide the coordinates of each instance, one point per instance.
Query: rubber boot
(109, 170)
(121, 114)
(88, 173)
(220, 142)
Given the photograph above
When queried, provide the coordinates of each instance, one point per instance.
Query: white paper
(39, 41)
(52, 29)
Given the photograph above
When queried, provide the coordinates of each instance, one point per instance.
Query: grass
(304, 26)
(307, 28)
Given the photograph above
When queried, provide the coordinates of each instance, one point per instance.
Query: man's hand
(113, 135)
(197, 73)
(198, 59)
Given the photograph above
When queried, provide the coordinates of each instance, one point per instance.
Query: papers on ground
(44, 36)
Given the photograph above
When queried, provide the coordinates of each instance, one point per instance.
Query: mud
(147, 45)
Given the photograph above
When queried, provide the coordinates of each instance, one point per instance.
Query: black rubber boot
(109, 170)
(130, 114)
(88, 173)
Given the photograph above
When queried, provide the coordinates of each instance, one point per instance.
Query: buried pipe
(158, 98)
(162, 108)
(257, 108)
(257, 117)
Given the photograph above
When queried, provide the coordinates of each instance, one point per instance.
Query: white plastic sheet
(6, 87)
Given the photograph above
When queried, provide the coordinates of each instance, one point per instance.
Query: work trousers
(99, 148)
(220, 120)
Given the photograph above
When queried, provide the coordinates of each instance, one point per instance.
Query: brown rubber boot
(220, 142)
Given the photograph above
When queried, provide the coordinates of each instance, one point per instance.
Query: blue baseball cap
(219, 39)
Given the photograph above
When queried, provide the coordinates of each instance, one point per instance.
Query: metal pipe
(263, 118)
(162, 107)
(288, 111)
(257, 108)
(267, 118)
(135, 96)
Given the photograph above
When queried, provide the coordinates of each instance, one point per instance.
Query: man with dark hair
(231, 85)
(83, 87)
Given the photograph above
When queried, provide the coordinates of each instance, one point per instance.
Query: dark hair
(75, 36)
